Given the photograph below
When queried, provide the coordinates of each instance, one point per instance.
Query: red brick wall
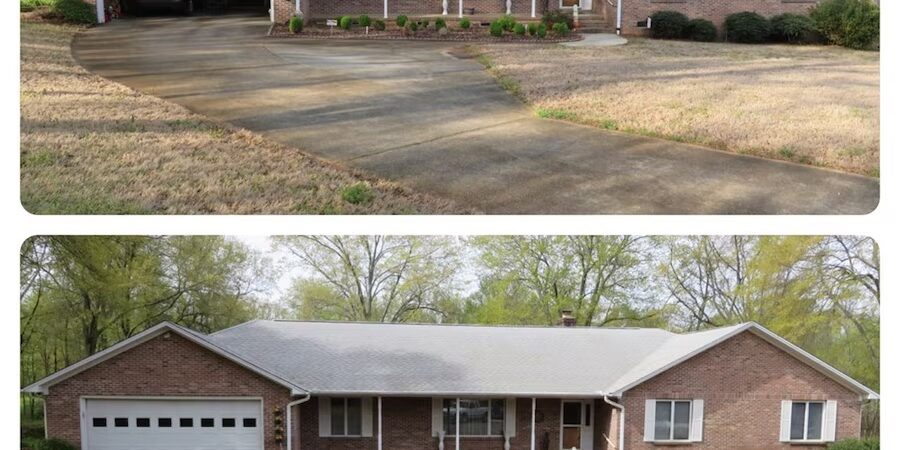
(742, 382)
(714, 10)
(170, 366)
(330, 9)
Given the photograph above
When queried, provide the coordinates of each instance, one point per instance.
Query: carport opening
(193, 7)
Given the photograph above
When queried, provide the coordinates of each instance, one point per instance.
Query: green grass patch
(787, 152)
(558, 114)
(358, 194)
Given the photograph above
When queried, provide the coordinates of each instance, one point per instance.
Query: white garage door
(129, 424)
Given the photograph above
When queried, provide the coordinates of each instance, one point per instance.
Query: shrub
(519, 29)
(668, 25)
(542, 31)
(561, 29)
(555, 16)
(345, 22)
(855, 444)
(424, 23)
(701, 30)
(75, 11)
(440, 23)
(792, 28)
(465, 23)
(47, 444)
(357, 194)
(364, 20)
(747, 27)
(31, 5)
(412, 26)
(850, 23)
(507, 22)
(296, 24)
(379, 25)
(401, 20)
(532, 29)
(496, 29)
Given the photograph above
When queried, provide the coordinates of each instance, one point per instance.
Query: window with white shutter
(345, 416)
(673, 420)
(808, 421)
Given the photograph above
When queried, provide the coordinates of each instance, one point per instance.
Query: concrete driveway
(414, 113)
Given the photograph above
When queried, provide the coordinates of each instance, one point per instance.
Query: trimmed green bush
(412, 26)
(555, 16)
(507, 22)
(345, 22)
(401, 20)
(668, 25)
(532, 29)
(75, 11)
(496, 29)
(295, 25)
(792, 28)
(701, 30)
(364, 21)
(47, 444)
(850, 23)
(561, 29)
(31, 5)
(855, 444)
(440, 23)
(465, 23)
(379, 25)
(747, 27)
(519, 29)
(542, 31)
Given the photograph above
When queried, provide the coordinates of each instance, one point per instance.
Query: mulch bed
(474, 35)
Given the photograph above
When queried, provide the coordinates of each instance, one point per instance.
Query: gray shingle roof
(335, 357)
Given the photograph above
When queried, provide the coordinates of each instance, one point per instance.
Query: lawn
(92, 146)
(809, 104)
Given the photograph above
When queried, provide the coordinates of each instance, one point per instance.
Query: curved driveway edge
(409, 112)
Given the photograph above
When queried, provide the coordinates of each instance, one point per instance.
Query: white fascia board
(461, 394)
(42, 386)
(773, 339)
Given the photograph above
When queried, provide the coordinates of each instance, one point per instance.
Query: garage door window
(99, 422)
(143, 422)
(164, 422)
(228, 423)
(207, 423)
(186, 422)
(249, 422)
(121, 422)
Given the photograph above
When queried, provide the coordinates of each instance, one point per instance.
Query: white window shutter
(367, 416)
(437, 415)
(830, 420)
(697, 420)
(509, 418)
(786, 420)
(324, 416)
(649, 419)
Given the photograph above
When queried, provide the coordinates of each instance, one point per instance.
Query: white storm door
(166, 424)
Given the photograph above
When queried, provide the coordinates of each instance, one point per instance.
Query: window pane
(250, 422)
(99, 421)
(798, 416)
(164, 422)
(473, 417)
(449, 409)
(121, 422)
(337, 417)
(497, 411)
(228, 423)
(572, 413)
(814, 427)
(207, 423)
(354, 417)
(143, 422)
(663, 428)
(682, 420)
(185, 422)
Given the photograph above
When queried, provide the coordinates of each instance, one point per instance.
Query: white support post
(533, 8)
(460, 9)
(445, 5)
(533, 410)
(379, 423)
(508, 7)
(385, 9)
(101, 13)
(619, 17)
(457, 405)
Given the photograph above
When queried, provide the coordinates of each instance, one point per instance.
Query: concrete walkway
(412, 112)
(597, 40)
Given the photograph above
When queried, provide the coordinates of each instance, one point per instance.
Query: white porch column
(445, 5)
(533, 8)
(385, 9)
(379, 423)
(508, 7)
(101, 14)
(457, 398)
(533, 410)
(460, 9)
(619, 17)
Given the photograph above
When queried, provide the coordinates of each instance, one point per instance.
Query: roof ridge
(473, 325)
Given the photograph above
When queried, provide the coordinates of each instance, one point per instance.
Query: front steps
(591, 23)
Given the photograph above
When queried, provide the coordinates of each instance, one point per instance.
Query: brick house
(280, 385)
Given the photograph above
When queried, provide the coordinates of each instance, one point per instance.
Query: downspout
(621, 408)
(619, 17)
(290, 428)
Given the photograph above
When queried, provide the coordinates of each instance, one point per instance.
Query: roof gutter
(287, 412)
(621, 408)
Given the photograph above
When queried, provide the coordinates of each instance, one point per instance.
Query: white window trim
(490, 412)
(805, 440)
(361, 418)
(672, 415)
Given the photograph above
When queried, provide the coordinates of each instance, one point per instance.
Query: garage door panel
(116, 424)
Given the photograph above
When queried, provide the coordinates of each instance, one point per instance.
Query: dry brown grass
(810, 104)
(91, 146)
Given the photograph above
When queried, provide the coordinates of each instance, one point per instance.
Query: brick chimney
(567, 319)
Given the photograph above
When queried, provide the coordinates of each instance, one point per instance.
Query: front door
(569, 3)
(577, 425)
